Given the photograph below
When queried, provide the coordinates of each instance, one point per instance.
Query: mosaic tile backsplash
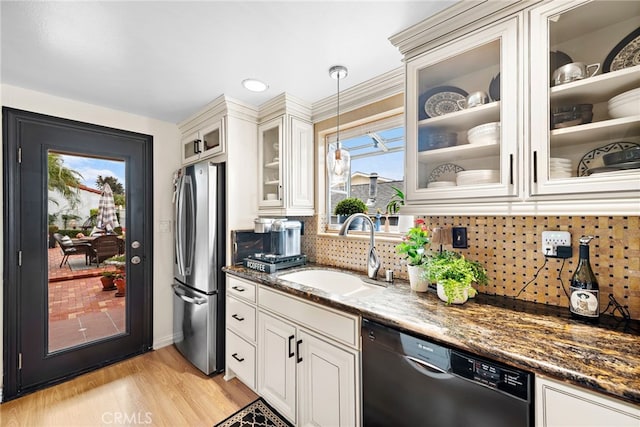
(509, 249)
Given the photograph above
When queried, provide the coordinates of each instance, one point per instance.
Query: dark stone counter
(539, 338)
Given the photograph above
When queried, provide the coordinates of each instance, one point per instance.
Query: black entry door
(35, 351)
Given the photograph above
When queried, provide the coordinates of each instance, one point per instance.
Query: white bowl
(478, 176)
(559, 160)
(484, 134)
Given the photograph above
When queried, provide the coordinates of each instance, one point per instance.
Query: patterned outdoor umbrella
(107, 219)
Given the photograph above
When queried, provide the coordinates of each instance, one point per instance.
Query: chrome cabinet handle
(238, 318)
(235, 356)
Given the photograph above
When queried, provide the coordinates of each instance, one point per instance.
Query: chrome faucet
(373, 260)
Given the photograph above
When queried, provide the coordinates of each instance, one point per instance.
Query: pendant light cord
(338, 154)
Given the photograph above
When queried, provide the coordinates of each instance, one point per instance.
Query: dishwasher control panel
(490, 374)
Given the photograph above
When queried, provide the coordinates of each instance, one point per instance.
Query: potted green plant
(52, 229)
(454, 275)
(107, 280)
(413, 250)
(349, 206)
(396, 201)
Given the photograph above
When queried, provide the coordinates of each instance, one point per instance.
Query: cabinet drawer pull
(291, 354)
(235, 356)
(238, 318)
(298, 358)
(238, 288)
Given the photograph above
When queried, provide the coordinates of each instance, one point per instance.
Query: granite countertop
(539, 338)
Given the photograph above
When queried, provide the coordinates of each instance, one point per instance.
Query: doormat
(257, 413)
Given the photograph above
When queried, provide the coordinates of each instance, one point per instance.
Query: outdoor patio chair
(69, 248)
(104, 247)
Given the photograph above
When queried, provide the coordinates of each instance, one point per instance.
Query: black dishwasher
(409, 381)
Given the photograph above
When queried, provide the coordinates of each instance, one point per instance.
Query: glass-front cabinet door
(463, 118)
(270, 161)
(585, 98)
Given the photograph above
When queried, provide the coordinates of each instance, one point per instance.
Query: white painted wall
(86, 201)
(165, 138)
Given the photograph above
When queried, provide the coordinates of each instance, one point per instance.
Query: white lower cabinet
(562, 405)
(309, 378)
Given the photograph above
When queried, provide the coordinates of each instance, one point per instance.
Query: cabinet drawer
(241, 318)
(342, 327)
(241, 288)
(241, 359)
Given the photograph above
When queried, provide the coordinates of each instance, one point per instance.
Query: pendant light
(338, 159)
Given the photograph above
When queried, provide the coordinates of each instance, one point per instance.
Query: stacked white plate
(624, 105)
(478, 176)
(441, 184)
(560, 167)
(488, 133)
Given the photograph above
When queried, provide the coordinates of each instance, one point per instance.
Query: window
(377, 166)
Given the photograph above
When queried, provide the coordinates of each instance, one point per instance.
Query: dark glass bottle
(584, 298)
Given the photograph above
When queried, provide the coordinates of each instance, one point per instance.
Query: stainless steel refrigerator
(198, 288)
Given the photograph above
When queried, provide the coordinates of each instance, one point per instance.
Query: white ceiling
(167, 59)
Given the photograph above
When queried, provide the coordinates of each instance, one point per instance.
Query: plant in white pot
(413, 250)
(454, 275)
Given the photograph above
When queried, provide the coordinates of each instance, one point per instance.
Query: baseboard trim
(163, 342)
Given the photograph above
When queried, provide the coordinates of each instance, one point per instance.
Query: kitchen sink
(333, 282)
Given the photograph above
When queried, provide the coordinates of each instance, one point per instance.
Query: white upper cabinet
(205, 142)
(571, 120)
(285, 158)
(458, 151)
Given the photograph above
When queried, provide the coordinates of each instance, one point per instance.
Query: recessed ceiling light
(254, 85)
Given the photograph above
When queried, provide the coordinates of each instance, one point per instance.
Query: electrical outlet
(552, 239)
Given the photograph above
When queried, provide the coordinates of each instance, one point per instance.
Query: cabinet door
(189, 147)
(212, 139)
(560, 405)
(327, 384)
(455, 149)
(269, 163)
(277, 364)
(574, 124)
(299, 172)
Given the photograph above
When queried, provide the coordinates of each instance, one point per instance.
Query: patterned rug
(78, 264)
(256, 414)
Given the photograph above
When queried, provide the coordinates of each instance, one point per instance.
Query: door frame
(11, 231)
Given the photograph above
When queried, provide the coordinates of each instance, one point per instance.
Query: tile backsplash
(509, 247)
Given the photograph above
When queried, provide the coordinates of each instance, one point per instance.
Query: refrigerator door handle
(191, 212)
(196, 300)
(178, 227)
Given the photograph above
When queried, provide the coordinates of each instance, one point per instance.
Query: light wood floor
(159, 388)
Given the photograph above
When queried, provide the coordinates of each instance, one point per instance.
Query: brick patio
(79, 310)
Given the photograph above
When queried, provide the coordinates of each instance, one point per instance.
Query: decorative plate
(625, 54)
(593, 159)
(442, 100)
(444, 172)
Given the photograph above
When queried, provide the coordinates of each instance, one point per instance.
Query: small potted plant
(107, 280)
(413, 250)
(121, 283)
(347, 207)
(454, 275)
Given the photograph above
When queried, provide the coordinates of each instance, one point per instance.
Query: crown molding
(284, 103)
(220, 106)
(376, 89)
(453, 22)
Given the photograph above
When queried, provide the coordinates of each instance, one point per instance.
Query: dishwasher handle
(428, 369)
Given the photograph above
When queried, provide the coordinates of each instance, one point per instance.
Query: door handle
(135, 259)
(235, 356)
(197, 301)
(238, 318)
(298, 358)
(291, 354)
